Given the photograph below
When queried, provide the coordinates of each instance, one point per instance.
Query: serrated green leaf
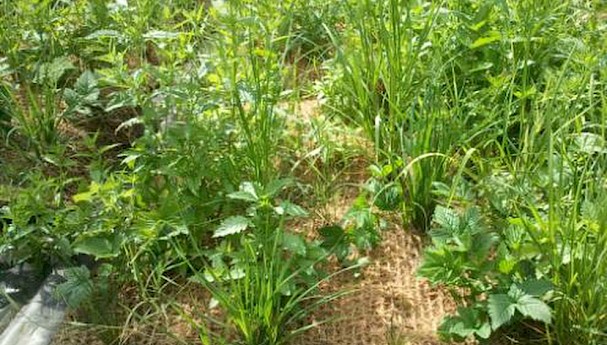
(468, 322)
(86, 83)
(53, 71)
(292, 209)
(388, 199)
(506, 265)
(244, 196)
(77, 288)
(247, 192)
(294, 243)
(534, 308)
(449, 327)
(157, 34)
(447, 219)
(501, 309)
(232, 225)
(275, 186)
(536, 287)
(175, 230)
(336, 240)
(101, 247)
(442, 266)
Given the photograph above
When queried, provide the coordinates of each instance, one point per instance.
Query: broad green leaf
(590, 143)
(85, 196)
(534, 308)
(447, 219)
(247, 192)
(274, 187)
(294, 243)
(100, 247)
(468, 322)
(450, 326)
(536, 287)
(244, 196)
(292, 209)
(332, 235)
(235, 274)
(506, 264)
(53, 71)
(104, 33)
(156, 34)
(388, 199)
(232, 225)
(484, 331)
(493, 36)
(336, 240)
(77, 288)
(433, 266)
(86, 83)
(501, 309)
(175, 230)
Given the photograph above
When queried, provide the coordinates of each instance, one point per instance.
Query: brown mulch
(388, 304)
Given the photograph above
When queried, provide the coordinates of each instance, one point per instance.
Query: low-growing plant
(36, 225)
(357, 233)
(492, 285)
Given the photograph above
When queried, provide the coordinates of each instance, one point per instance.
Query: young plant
(265, 278)
(483, 275)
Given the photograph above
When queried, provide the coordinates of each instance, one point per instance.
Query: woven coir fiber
(388, 304)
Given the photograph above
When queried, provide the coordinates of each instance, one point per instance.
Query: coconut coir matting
(389, 305)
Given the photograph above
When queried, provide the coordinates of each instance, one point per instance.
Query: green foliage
(78, 286)
(84, 95)
(386, 84)
(502, 307)
(37, 225)
(486, 122)
(231, 225)
(266, 278)
(94, 293)
(357, 231)
(5, 108)
(462, 259)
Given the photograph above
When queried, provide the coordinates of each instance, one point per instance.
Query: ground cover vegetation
(152, 145)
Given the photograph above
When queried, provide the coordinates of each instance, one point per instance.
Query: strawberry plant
(477, 268)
